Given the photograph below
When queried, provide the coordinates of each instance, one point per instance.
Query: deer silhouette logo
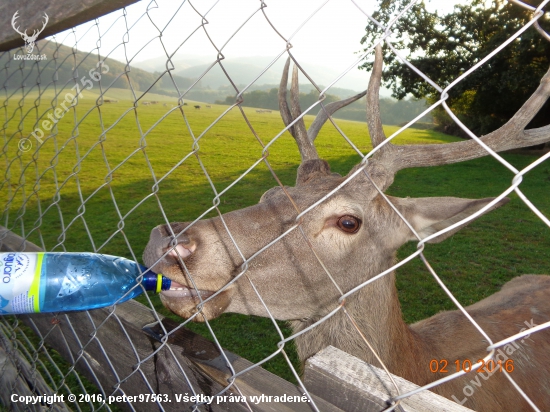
(29, 40)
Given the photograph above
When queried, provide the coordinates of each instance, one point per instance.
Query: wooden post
(109, 347)
(355, 385)
(62, 15)
(18, 377)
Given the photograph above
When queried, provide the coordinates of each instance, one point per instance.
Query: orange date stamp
(490, 366)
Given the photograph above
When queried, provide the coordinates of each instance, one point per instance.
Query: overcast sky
(331, 36)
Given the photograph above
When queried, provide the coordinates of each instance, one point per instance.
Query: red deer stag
(355, 232)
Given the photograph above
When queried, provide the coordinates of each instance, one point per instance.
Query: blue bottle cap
(153, 281)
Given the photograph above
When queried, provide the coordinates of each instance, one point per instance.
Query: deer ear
(431, 214)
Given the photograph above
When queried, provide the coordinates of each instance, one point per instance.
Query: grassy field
(106, 182)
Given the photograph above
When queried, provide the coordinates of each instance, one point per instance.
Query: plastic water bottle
(54, 282)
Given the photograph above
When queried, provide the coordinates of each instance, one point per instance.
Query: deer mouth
(184, 301)
(180, 291)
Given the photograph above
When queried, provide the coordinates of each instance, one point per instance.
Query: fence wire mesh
(96, 153)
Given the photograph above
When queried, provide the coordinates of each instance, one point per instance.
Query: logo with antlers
(29, 40)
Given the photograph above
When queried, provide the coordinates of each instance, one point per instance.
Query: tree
(444, 47)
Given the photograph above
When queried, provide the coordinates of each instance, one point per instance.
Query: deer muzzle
(173, 254)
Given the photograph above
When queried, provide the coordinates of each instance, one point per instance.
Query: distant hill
(116, 76)
(158, 64)
(244, 70)
(213, 87)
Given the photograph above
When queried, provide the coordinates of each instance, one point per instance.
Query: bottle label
(20, 282)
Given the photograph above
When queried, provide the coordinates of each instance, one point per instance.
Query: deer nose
(181, 246)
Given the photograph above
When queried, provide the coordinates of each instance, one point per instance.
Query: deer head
(300, 248)
(29, 40)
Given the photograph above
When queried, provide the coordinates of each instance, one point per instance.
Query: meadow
(108, 175)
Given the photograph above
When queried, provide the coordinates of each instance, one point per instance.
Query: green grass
(109, 192)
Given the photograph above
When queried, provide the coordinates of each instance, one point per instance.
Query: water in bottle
(53, 282)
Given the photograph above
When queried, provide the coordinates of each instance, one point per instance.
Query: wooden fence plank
(63, 15)
(9, 242)
(355, 385)
(18, 377)
(255, 382)
(119, 339)
(110, 348)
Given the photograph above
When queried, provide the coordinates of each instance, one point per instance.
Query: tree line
(394, 112)
(446, 46)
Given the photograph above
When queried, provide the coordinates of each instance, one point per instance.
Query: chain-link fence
(103, 140)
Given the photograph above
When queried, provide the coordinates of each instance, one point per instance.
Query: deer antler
(37, 32)
(512, 135)
(305, 137)
(13, 19)
(374, 122)
(298, 130)
(327, 111)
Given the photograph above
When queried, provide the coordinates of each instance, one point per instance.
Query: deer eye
(349, 224)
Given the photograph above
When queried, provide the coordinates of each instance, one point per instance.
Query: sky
(321, 32)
